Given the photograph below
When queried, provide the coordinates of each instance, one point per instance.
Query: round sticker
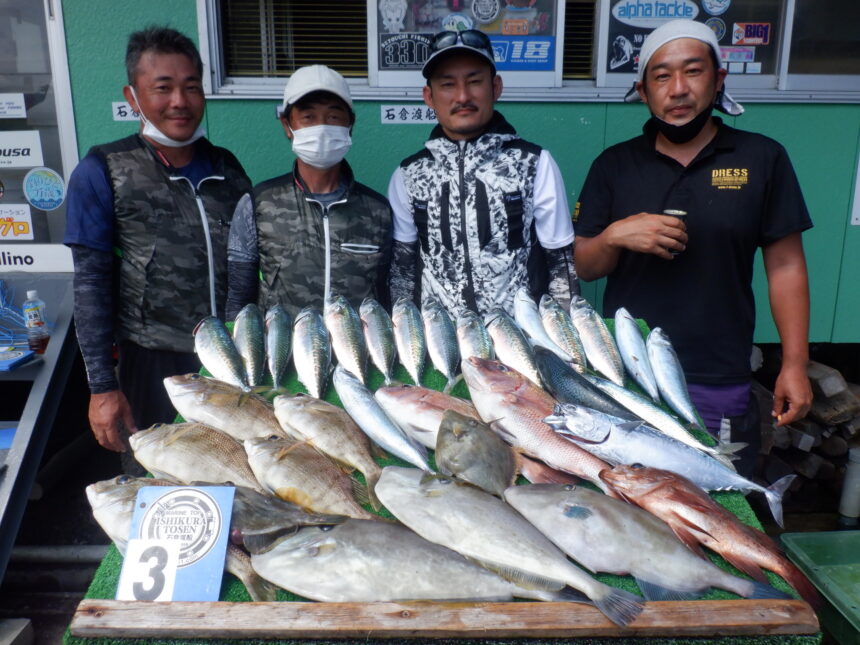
(717, 26)
(457, 22)
(486, 11)
(44, 189)
(188, 516)
(716, 7)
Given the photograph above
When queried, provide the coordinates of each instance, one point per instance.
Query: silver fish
(670, 375)
(358, 401)
(489, 531)
(311, 351)
(634, 355)
(249, 336)
(374, 561)
(473, 339)
(279, 342)
(379, 337)
(441, 338)
(598, 531)
(600, 347)
(218, 353)
(347, 335)
(512, 347)
(560, 328)
(409, 337)
(528, 317)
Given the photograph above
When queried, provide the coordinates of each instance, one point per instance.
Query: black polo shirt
(740, 193)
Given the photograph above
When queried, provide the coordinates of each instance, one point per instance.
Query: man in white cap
(313, 232)
(480, 210)
(691, 275)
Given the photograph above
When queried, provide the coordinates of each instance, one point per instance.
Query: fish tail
(762, 591)
(569, 594)
(452, 382)
(730, 448)
(797, 579)
(619, 606)
(774, 494)
(372, 479)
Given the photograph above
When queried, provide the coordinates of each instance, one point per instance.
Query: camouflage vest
(293, 234)
(473, 207)
(163, 285)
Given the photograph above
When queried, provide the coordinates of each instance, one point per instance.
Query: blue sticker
(44, 189)
(716, 7)
(717, 26)
(524, 53)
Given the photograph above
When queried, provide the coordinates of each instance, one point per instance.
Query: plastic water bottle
(37, 328)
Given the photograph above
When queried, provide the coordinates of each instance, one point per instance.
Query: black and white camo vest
(293, 236)
(163, 286)
(473, 206)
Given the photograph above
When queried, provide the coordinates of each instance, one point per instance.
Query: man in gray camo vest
(147, 222)
(314, 232)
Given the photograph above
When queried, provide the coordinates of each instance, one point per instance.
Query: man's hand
(792, 395)
(649, 233)
(107, 412)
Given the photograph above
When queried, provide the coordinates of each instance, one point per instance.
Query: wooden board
(265, 620)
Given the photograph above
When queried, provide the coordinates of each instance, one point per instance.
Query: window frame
(781, 87)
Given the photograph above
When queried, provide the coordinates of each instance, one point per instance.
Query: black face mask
(686, 132)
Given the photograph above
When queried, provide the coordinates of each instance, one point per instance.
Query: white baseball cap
(314, 78)
(683, 28)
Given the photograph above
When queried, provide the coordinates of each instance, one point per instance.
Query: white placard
(12, 106)
(407, 113)
(16, 222)
(20, 149)
(149, 570)
(122, 112)
(36, 258)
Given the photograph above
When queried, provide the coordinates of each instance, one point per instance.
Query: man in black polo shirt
(692, 277)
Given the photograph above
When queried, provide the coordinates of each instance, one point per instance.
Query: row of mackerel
(630, 442)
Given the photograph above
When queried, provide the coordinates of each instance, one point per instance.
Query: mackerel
(347, 335)
(473, 338)
(600, 347)
(218, 353)
(512, 347)
(409, 337)
(528, 317)
(634, 355)
(560, 328)
(441, 338)
(670, 375)
(249, 336)
(279, 342)
(311, 351)
(379, 337)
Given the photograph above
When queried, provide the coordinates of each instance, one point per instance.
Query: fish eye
(570, 487)
(326, 528)
(272, 437)
(195, 377)
(123, 479)
(636, 466)
(157, 425)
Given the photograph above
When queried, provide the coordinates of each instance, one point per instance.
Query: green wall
(822, 141)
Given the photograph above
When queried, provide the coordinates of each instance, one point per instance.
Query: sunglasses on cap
(469, 37)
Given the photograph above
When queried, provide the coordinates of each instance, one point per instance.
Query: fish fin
(577, 512)
(499, 430)
(264, 542)
(619, 606)
(688, 539)
(451, 384)
(744, 564)
(283, 452)
(567, 433)
(762, 591)
(372, 479)
(730, 448)
(774, 494)
(260, 589)
(519, 577)
(568, 594)
(538, 472)
(178, 433)
(377, 451)
(359, 491)
(653, 591)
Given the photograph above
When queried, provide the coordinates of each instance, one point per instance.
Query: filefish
(697, 519)
(222, 406)
(559, 327)
(330, 430)
(529, 319)
(347, 335)
(279, 342)
(374, 561)
(634, 355)
(112, 501)
(418, 410)
(670, 375)
(311, 351)
(515, 408)
(189, 452)
(635, 443)
(598, 532)
(470, 451)
(249, 336)
(296, 472)
(656, 417)
(217, 352)
(512, 347)
(441, 338)
(473, 339)
(569, 386)
(379, 337)
(490, 532)
(600, 347)
(358, 401)
(409, 337)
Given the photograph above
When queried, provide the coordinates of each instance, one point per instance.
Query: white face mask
(151, 132)
(321, 146)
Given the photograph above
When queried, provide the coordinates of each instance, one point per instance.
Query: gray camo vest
(291, 237)
(163, 286)
(473, 207)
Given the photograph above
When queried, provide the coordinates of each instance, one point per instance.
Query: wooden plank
(268, 620)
